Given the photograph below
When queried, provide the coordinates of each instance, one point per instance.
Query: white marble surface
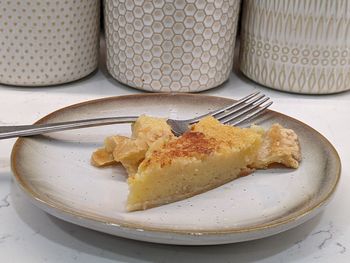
(29, 235)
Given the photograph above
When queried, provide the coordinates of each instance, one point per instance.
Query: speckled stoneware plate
(55, 172)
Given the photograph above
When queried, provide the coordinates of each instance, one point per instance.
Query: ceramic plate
(54, 171)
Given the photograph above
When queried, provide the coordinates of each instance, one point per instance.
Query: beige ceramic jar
(48, 42)
(300, 46)
(171, 46)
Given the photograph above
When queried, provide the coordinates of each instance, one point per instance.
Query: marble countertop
(28, 234)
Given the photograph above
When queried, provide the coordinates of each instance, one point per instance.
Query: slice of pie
(163, 168)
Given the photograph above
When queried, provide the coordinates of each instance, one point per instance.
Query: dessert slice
(163, 168)
(207, 156)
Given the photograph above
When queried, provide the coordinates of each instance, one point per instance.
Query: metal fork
(242, 110)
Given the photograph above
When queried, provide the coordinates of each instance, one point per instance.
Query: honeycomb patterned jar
(48, 42)
(300, 46)
(171, 45)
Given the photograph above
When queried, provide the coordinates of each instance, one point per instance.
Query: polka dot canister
(171, 46)
(48, 42)
(300, 46)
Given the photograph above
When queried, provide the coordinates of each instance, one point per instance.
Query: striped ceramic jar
(300, 46)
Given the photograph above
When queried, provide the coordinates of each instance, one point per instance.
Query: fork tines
(245, 109)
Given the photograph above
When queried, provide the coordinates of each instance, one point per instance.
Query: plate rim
(137, 226)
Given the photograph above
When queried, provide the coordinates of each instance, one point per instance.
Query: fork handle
(7, 132)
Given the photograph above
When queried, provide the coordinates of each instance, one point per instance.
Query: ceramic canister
(300, 46)
(47, 42)
(171, 46)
